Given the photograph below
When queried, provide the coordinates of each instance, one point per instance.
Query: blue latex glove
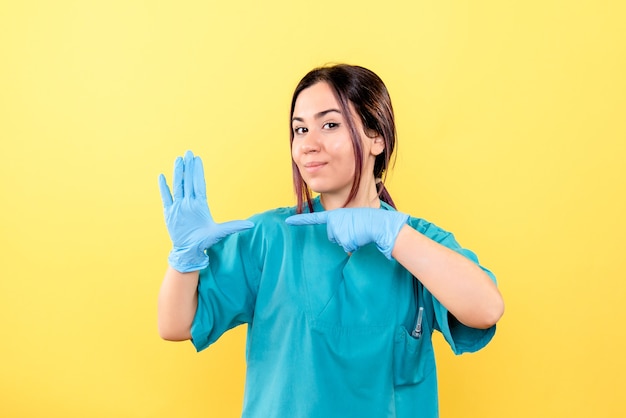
(353, 228)
(188, 218)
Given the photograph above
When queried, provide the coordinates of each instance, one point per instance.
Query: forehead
(317, 98)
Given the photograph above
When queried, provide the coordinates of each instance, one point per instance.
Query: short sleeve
(461, 338)
(226, 289)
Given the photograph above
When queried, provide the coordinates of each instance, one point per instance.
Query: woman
(342, 292)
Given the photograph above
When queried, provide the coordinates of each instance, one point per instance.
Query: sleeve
(461, 338)
(227, 288)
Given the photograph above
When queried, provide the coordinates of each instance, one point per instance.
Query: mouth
(313, 166)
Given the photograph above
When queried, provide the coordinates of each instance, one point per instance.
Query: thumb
(232, 227)
(223, 230)
(308, 219)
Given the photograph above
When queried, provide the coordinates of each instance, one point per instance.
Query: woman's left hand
(353, 228)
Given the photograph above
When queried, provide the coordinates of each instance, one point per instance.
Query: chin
(318, 188)
(323, 186)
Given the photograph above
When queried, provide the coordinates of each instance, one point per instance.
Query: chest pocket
(352, 293)
(413, 355)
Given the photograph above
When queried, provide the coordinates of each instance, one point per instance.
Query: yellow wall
(512, 123)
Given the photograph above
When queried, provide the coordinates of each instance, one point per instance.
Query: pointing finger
(315, 218)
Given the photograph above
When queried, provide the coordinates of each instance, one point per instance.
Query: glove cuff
(186, 260)
(396, 220)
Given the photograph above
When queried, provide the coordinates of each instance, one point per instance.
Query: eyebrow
(318, 115)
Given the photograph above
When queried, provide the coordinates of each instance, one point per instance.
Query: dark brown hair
(369, 96)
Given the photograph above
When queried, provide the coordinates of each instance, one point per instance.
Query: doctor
(342, 292)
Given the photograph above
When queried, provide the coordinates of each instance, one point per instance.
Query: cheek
(342, 148)
(296, 156)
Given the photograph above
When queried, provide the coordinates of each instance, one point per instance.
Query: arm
(459, 284)
(192, 230)
(178, 300)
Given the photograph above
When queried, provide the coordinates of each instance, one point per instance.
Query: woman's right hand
(187, 216)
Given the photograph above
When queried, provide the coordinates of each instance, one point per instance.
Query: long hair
(368, 95)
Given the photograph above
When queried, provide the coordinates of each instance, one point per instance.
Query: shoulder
(434, 232)
(423, 226)
(441, 236)
(428, 228)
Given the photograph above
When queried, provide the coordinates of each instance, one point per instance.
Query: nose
(310, 143)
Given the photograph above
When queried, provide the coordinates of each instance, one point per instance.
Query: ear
(378, 145)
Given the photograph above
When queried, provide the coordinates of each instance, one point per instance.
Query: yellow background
(512, 134)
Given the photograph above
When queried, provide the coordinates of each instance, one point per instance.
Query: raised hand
(353, 228)
(188, 218)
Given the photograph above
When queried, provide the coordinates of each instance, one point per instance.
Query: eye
(300, 130)
(331, 125)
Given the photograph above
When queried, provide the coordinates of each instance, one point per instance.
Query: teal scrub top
(329, 334)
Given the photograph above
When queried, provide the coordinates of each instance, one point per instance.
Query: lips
(313, 166)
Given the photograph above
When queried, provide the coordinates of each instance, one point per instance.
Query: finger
(177, 184)
(228, 228)
(347, 246)
(199, 184)
(232, 227)
(315, 218)
(166, 196)
(330, 233)
(224, 230)
(188, 175)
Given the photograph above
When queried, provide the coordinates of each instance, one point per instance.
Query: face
(322, 148)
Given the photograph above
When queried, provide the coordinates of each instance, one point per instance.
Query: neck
(365, 197)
